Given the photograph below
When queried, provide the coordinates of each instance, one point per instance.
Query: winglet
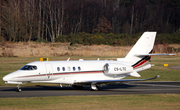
(155, 77)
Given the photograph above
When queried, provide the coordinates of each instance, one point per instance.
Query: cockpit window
(29, 67)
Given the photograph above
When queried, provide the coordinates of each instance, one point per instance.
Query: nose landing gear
(18, 88)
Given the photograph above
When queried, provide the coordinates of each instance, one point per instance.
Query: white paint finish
(91, 71)
(49, 71)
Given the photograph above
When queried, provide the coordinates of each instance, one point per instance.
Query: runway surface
(118, 89)
(175, 67)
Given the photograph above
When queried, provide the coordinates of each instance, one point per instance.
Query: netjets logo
(119, 68)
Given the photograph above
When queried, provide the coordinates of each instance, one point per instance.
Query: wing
(108, 81)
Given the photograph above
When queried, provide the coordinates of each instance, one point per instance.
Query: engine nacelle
(116, 69)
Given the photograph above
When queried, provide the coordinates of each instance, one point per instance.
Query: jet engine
(116, 69)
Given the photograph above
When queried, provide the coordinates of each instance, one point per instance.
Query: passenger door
(49, 71)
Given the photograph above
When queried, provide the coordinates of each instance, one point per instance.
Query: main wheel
(94, 87)
(19, 90)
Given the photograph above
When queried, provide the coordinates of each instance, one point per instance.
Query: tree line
(31, 20)
(114, 39)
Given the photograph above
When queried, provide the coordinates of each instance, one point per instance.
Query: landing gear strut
(94, 87)
(18, 88)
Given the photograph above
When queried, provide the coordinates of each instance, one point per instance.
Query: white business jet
(90, 72)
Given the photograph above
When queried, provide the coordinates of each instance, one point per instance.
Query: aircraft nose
(10, 76)
(6, 78)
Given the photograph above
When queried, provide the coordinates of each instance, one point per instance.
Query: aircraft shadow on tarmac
(69, 88)
(111, 89)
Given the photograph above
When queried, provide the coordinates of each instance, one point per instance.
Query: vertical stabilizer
(143, 46)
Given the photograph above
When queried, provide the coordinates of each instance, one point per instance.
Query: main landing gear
(94, 87)
(18, 88)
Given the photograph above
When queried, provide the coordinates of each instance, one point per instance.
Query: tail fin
(138, 55)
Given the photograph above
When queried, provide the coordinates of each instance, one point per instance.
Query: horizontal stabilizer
(141, 55)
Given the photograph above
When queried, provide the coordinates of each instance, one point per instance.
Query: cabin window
(58, 69)
(29, 67)
(79, 68)
(63, 68)
(74, 68)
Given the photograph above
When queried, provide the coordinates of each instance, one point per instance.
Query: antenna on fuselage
(68, 59)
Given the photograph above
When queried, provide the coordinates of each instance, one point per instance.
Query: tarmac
(115, 89)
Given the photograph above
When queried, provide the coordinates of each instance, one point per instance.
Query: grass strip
(10, 64)
(113, 102)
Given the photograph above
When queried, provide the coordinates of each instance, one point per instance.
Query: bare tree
(0, 18)
(25, 20)
(132, 20)
(10, 18)
(62, 17)
(80, 21)
(39, 20)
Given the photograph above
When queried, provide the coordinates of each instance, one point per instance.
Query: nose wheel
(18, 88)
